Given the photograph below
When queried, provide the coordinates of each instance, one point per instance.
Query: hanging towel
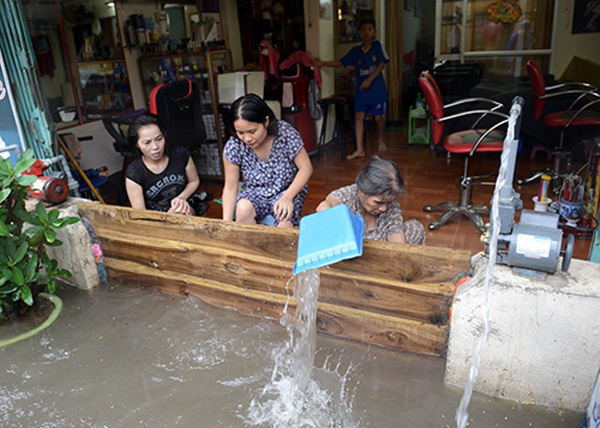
(305, 59)
(287, 98)
(268, 59)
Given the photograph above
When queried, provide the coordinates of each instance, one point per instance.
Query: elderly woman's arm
(397, 237)
(330, 201)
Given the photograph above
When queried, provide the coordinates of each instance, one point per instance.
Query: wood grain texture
(394, 295)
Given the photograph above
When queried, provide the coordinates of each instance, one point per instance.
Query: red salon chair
(581, 112)
(467, 142)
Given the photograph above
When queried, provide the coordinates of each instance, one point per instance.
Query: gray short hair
(380, 177)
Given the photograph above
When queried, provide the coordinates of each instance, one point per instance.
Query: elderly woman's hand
(181, 206)
(283, 209)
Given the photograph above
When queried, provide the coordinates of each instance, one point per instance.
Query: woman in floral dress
(267, 157)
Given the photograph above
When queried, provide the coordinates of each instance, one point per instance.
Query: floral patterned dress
(263, 183)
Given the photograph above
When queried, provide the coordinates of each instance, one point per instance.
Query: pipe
(73, 184)
(58, 304)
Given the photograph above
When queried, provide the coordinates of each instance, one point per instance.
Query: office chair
(466, 142)
(579, 113)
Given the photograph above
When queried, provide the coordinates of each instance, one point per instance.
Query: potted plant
(25, 268)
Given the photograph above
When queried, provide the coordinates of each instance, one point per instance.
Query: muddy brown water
(124, 356)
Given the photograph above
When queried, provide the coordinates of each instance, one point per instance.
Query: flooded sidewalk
(124, 356)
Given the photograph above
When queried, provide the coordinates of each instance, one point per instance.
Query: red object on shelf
(298, 115)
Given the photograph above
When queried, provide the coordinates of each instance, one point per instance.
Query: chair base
(561, 161)
(453, 209)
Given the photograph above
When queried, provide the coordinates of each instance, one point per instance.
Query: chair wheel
(427, 208)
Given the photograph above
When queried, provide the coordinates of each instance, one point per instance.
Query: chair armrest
(581, 110)
(482, 114)
(486, 133)
(581, 85)
(582, 96)
(496, 104)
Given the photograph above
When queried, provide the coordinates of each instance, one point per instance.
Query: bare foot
(356, 154)
(382, 147)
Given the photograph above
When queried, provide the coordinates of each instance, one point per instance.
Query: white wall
(98, 151)
(567, 45)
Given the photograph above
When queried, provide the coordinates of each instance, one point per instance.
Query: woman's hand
(283, 209)
(180, 206)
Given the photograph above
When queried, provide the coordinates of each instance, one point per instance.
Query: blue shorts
(378, 109)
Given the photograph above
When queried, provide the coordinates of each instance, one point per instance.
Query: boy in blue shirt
(368, 61)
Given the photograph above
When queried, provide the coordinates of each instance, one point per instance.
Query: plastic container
(541, 206)
(328, 237)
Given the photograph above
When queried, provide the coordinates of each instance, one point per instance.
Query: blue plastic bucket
(328, 237)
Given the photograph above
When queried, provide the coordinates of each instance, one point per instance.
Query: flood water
(122, 356)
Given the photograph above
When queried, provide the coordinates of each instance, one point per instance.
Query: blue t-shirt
(365, 64)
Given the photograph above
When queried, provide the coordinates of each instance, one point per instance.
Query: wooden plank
(424, 302)
(394, 295)
(364, 326)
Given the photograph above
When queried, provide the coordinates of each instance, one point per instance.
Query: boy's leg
(359, 134)
(380, 123)
(378, 111)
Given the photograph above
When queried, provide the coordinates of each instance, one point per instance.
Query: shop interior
(101, 59)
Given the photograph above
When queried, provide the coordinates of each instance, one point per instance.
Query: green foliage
(25, 268)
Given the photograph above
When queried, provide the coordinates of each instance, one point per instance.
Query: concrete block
(76, 252)
(543, 345)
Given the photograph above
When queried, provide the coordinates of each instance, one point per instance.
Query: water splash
(293, 398)
(462, 415)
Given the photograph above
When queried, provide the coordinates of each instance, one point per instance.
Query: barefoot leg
(359, 133)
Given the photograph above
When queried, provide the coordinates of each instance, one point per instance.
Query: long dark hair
(142, 120)
(252, 108)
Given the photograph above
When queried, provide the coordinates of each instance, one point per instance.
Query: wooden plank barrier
(394, 295)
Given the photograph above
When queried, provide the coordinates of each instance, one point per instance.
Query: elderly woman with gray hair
(373, 197)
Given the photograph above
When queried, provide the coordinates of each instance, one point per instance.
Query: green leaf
(21, 251)
(9, 288)
(6, 273)
(10, 247)
(50, 235)
(70, 220)
(4, 194)
(4, 231)
(55, 243)
(5, 168)
(40, 210)
(26, 180)
(26, 295)
(31, 268)
(28, 217)
(64, 272)
(52, 286)
(17, 276)
(53, 216)
(25, 161)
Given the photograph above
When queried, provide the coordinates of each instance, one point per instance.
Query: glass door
(499, 35)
